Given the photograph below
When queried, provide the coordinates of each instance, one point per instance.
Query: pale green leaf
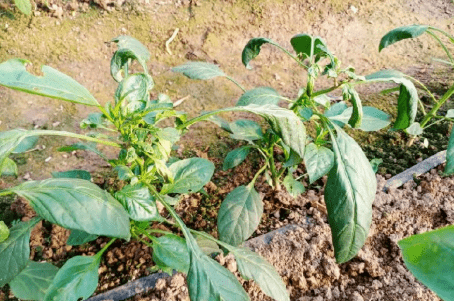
(294, 187)
(199, 70)
(243, 129)
(415, 129)
(207, 246)
(78, 237)
(4, 231)
(236, 157)
(72, 174)
(128, 49)
(26, 144)
(259, 96)
(24, 6)
(373, 119)
(53, 83)
(8, 167)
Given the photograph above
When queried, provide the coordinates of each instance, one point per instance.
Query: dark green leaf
(449, 168)
(430, 257)
(83, 146)
(407, 103)
(401, 33)
(190, 175)
(373, 119)
(77, 278)
(207, 280)
(76, 204)
(199, 70)
(15, 251)
(349, 194)
(8, 167)
(128, 48)
(171, 251)
(318, 160)
(139, 203)
(78, 237)
(252, 49)
(26, 144)
(124, 172)
(24, 6)
(244, 129)
(305, 113)
(236, 157)
(33, 281)
(357, 113)
(294, 159)
(253, 266)
(239, 215)
(259, 96)
(53, 83)
(4, 231)
(375, 163)
(72, 174)
(294, 188)
(306, 45)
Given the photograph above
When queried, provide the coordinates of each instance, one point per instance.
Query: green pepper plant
(351, 184)
(430, 256)
(132, 123)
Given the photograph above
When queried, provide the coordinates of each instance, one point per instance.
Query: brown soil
(305, 259)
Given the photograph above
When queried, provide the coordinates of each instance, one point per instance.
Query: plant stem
(100, 252)
(437, 106)
(443, 32)
(73, 135)
(5, 192)
(274, 173)
(236, 83)
(320, 92)
(442, 45)
(258, 173)
(104, 111)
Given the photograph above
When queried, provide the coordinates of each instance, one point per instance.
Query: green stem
(72, 135)
(437, 106)
(100, 252)
(443, 32)
(104, 111)
(205, 116)
(5, 192)
(236, 83)
(442, 45)
(274, 174)
(433, 123)
(257, 174)
(158, 231)
(292, 56)
(320, 92)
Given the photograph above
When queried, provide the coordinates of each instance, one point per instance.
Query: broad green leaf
(244, 129)
(4, 231)
(318, 160)
(305, 113)
(207, 246)
(294, 187)
(349, 194)
(373, 119)
(76, 204)
(199, 70)
(252, 49)
(139, 203)
(8, 167)
(26, 144)
(169, 134)
(430, 257)
(414, 129)
(449, 168)
(253, 266)
(128, 48)
(124, 172)
(239, 215)
(24, 6)
(336, 109)
(375, 163)
(236, 157)
(407, 103)
(134, 88)
(78, 237)
(357, 113)
(222, 123)
(91, 146)
(401, 33)
(171, 251)
(259, 96)
(77, 278)
(306, 45)
(190, 175)
(209, 281)
(93, 121)
(33, 281)
(294, 159)
(10, 140)
(15, 250)
(72, 174)
(53, 83)
(323, 100)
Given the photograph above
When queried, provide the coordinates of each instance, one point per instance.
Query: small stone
(357, 297)
(160, 284)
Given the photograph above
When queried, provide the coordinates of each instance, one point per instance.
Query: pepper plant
(430, 256)
(351, 183)
(132, 123)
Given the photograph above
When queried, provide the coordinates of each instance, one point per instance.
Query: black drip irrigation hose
(147, 283)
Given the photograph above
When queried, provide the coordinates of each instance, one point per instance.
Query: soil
(304, 256)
